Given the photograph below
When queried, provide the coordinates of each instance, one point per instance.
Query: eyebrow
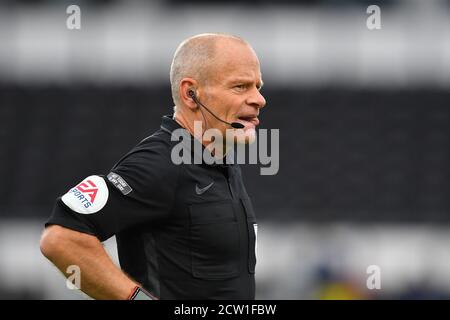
(247, 80)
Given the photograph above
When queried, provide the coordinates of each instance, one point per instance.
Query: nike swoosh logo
(200, 191)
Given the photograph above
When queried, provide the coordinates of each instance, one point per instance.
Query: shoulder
(155, 149)
(149, 162)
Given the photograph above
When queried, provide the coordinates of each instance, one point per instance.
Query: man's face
(232, 89)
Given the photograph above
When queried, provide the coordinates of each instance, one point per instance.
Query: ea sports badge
(88, 197)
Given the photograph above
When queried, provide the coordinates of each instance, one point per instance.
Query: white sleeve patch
(88, 197)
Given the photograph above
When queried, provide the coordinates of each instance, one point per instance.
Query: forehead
(235, 60)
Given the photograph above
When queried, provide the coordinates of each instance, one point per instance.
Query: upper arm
(102, 207)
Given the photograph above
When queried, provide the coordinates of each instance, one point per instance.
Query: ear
(187, 84)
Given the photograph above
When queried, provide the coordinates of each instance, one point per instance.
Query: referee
(183, 231)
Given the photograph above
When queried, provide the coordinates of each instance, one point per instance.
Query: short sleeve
(139, 189)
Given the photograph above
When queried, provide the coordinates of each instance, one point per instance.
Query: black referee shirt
(183, 231)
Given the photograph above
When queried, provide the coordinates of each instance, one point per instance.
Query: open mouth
(249, 121)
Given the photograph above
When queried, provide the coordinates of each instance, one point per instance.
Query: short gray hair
(193, 58)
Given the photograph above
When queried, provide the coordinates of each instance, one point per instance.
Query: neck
(217, 149)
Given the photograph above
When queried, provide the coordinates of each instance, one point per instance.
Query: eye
(240, 86)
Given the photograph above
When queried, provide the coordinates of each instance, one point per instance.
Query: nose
(256, 99)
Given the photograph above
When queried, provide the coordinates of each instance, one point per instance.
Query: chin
(246, 136)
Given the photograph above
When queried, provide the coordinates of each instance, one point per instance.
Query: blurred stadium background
(364, 132)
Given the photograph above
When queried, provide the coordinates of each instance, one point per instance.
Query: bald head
(196, 58)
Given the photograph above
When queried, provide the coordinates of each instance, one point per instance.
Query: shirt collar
(168, 123)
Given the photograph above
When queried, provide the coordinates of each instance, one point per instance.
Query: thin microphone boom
(235, 125)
